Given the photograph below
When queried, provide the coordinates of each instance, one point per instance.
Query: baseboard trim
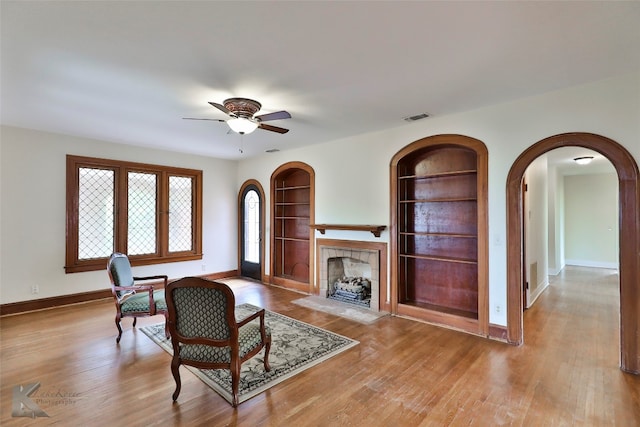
(58, 301)
(51, 302)
(539, 290)
(596, 264)
(221, 275)
(498, 332)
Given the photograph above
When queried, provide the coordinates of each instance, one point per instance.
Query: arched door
(251, 231)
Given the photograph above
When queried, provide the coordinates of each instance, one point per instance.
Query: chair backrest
(120, 273)
(201, 308)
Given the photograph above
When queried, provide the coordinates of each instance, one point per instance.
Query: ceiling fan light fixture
(583, 160)
(241, 125)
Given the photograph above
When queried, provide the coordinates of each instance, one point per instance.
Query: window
(152, 213)
(252, 227)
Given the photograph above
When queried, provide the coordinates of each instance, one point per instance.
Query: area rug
(295, 346)
(341, 309)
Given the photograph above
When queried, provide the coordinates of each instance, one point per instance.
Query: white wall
(556, 223)
(32, 218)
(536, 225)
(610, 108)
(591, 221)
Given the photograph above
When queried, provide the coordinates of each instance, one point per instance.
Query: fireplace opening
(349, 280)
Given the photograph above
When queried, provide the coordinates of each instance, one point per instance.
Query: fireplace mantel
(374, 229)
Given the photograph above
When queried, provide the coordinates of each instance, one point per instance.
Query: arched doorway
(251, 230)
(629, 211)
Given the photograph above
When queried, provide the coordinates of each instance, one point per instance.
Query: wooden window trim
(121, 168)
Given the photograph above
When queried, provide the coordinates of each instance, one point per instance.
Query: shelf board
(461, 199)
(440, 258)
(440, 174)
(462, 236)
(442, 309)
(292, 217)
(374, 229)
(290, 239)
(297, 187)
(292, 203)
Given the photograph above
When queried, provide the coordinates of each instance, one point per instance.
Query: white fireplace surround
(355, 250)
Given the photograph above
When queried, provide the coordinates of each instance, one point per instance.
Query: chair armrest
(256, 315)
(163, 277)
(142, 288)
(134, 288)
(252, 317)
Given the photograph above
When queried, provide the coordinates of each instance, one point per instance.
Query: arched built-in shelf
(292, 213)
(438, 233)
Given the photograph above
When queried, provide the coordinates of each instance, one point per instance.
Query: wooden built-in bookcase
(439, 229)
(292, 207)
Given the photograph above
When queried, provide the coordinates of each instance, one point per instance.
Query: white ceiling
(127, 72)
(562, 160)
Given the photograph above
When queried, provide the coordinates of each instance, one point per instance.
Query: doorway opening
(250, 230)
(629, 238)
(570, 217)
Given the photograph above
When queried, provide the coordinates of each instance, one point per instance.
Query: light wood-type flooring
(403, 373)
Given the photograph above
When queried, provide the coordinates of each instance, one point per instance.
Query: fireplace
(349, 271)
(349, 280)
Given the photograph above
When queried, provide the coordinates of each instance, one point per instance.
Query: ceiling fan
(242, 116)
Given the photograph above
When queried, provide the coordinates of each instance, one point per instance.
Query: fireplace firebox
(349, 271)
(349, 280)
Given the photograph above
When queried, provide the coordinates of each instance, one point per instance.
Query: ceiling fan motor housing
(242, 107)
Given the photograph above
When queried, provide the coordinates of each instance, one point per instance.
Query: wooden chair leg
(119, 328)
(235, 382)
(175, 370)
(166, 325)
(267, 347)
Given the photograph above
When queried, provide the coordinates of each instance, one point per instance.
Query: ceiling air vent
(416, 117)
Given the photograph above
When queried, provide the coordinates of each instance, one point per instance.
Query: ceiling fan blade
(278, 115)
(195, 118)
(272, 128)
(223, 109)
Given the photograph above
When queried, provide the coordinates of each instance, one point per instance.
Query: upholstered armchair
(205, 333)
(134, 300)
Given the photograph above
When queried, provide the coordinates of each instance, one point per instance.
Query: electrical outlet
(498, 309)
(204, 267)
(35, 289)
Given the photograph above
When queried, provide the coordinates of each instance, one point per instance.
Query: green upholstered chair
(205, 333)
(134, 300)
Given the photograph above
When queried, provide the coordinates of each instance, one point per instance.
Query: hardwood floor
(403, 373)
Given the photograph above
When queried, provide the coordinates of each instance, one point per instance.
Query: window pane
(95, 213)
(141, 213)
(180, 214)
(252, 227)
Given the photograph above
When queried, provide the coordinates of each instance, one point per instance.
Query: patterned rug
(295, 346)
